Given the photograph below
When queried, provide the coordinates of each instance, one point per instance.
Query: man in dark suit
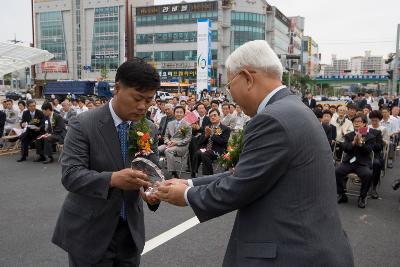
(55, 132)
(310, 101)
(67, 112)
(212, 143)
(283, 186)
(3, 118)
(358, 146)
(362, 101)
(101, 222)
(385, 101)
(330, 129)
(34, 122)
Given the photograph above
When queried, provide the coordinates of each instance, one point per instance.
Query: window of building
(52, 34)
(105, 45)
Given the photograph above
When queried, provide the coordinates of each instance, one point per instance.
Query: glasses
(228, 85)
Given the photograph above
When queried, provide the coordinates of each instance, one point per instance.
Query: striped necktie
(123, 143)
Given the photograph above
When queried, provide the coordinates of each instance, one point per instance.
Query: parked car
(15, 96)
(333, 98)
(164, 95)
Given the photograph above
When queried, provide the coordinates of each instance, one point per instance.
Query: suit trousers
(45, 146)
(26, 139)
(121, 252)
(207, 159)
(364, 172)
(376, 171)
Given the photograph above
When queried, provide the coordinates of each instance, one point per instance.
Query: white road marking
(168, 235)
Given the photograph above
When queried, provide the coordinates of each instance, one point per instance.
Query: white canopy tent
(15, 57)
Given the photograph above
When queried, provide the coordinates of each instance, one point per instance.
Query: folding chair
(353, 178)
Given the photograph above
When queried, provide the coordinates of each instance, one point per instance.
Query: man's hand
(171, 144)
(196, 126)
(173, 194)
(207, 131)
(150, 199)
(129, 179)
(175, 181)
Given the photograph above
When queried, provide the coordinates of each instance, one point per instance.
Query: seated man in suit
(11, 116)
(330, 129)
(358, 146)
(228, 119)
(212, 143)
(176, 140)
(169, 112)
(55, 132)
(382, 138)
(67, 112)
(34, 122)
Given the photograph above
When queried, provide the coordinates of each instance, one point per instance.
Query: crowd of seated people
(362, 140)
(210, 121)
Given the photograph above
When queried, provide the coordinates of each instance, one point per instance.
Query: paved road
(31, 195)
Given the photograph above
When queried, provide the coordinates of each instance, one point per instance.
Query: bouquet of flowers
(184, 130)
(230, 158)
(140, 139)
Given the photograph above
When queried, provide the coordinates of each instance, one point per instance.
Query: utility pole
(396, 63)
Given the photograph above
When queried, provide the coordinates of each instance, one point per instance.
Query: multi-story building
(278, 30)
(340, 65)
(372, 64)
(91, 39)
(86, 37)
(296, 33)
(355, 65)
(311, 57)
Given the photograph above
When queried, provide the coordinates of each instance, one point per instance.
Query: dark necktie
(210, 142)
(50, 127)
(123, 143)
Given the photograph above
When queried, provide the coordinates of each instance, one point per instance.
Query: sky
(345, 28)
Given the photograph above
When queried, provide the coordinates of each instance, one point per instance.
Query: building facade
(311, 57)
(87, 38)
(90, 39)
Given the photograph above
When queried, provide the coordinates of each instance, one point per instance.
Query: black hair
(175, 97)
(200, 104)
(368, 107)
(9, 100)
(225, 104)
(327, 112)
(385, 107)
(318, 113)
(375, 114)
(362, 116)
(215, 102)
(138, 74)
(22, 102)
(232, 105)
(214, 110)
(180, 107)
(352, 106)
(47, 106)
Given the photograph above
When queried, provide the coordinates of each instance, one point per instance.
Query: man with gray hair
(284, 183)
(66, 111)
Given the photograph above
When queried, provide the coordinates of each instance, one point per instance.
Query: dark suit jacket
(362, 103)
(59, 127)
(3, 118)
(39, 116)
(219, 142)
(206, 122)
(284, 190)
(361, 152)
(312, 105)
(330, 131)
(382, 102)
(395, 103)
(163, 124)
(91, 210)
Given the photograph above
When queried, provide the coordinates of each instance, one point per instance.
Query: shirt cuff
(190, 183)
(186, 198)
